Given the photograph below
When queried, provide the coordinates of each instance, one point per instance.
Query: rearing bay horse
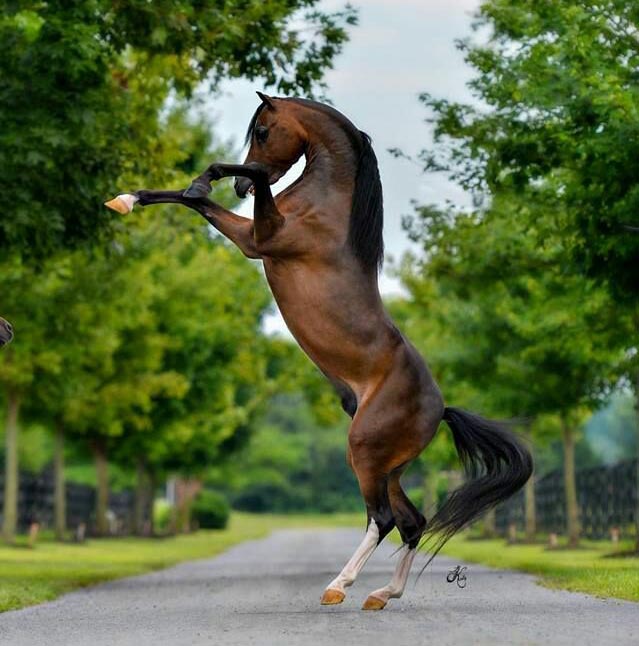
(321, 244)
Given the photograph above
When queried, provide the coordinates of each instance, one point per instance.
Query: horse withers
(321, 244)
(6, 332)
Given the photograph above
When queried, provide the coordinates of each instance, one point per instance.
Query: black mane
(252, 122)
(365, 233)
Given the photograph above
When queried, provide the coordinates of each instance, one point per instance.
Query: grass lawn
(29, 576)
(586, 569)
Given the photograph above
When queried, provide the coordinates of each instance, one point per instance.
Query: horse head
(277, 140)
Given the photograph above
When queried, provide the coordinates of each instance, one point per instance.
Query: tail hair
(496, 464)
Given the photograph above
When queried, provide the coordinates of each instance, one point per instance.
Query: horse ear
(266, 100)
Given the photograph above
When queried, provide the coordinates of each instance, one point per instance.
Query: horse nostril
(8, 326)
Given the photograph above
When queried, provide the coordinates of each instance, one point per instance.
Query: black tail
(497, 465)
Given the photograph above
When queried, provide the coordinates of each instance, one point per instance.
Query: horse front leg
(335, 591)
(237, 229)
(266, 216)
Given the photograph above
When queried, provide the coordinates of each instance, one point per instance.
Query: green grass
(587, 569)
(30, 576)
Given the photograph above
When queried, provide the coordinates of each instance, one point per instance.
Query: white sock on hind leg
(395, 588)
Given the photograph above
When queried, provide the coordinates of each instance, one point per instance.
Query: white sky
(399, 49)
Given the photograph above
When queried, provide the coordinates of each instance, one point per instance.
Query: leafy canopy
(84, 87)
(557, 106)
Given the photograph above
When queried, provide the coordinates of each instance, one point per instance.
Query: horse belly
(338, 330)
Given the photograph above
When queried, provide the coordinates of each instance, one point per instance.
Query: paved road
(267, 593)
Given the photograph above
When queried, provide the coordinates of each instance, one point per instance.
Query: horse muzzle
(242, 186)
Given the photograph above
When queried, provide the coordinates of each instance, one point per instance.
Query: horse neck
(330, 153)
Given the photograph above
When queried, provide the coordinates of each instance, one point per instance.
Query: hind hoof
(332, 597)
(374, 603)
(197, 190)
(122, 203)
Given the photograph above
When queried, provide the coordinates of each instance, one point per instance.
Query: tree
(292, 462)
(114, 319)
(209, 308)
(555, 122)
(82, 322)
(85, 85)
(114, 396)
(27, 300)
(78, 340)
(557, 86)
(529, 338)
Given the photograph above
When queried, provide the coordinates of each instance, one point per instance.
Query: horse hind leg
(411, 525)
(380, 522)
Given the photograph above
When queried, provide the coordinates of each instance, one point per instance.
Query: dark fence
(35, 503)
(607, 498)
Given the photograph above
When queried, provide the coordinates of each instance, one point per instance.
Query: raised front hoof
(197, 190)
(332, 597)
(374, 603)
(122, 203)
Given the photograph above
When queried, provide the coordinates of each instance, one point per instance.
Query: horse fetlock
(198, 189)
(215, 172)
(345, 581)
(395, 593)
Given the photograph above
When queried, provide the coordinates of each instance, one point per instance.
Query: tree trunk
(10, 507)
(637, 456)
(102, 491)
(186, 490)
(152, 489)
(59, 492)
(142, 496)
(529, 498)
(570, 485)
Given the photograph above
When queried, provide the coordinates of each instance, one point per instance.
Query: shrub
(210, 510)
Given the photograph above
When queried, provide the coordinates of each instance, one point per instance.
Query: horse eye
(261, 134)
